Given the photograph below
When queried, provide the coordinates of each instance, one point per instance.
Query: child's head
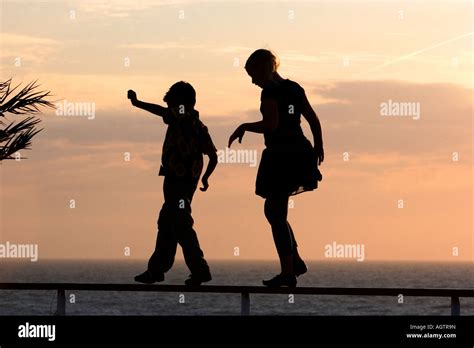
(181, 93)
(261, 65)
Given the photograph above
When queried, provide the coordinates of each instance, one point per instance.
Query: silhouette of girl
(289, 163)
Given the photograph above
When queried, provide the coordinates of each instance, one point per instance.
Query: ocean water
(321, 273)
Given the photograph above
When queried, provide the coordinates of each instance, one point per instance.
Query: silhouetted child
(187, 139)
(289, 162)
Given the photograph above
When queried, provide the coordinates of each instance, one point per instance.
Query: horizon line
(334, 260)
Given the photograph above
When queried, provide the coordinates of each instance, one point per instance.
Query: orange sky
(350, 56)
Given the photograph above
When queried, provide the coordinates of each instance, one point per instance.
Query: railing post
(455, 306)
(245, 305)
(61, 302)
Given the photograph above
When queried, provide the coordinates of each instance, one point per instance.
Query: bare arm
(268, 124)
(315, 125)
(269, 121)
(211, 165)
(153, 108)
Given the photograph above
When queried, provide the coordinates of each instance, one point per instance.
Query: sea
(320, 274)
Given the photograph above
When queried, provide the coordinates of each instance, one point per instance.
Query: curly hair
(181, 93)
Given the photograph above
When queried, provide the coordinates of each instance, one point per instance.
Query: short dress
(288, 165)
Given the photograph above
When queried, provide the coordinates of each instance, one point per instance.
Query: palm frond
(17, 136)
(20, 141)
(26, 101)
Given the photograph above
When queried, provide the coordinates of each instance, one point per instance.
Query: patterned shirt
(186, 140)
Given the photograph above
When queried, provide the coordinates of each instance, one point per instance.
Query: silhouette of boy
(186, 140)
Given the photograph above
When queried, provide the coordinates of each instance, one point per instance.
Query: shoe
(319, 176)
(281, 280)
(300, 267)
(148, 278)
(194, 280)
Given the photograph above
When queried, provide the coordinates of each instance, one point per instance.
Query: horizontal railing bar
(430, 292)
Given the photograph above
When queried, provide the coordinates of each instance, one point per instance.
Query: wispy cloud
(422, 50)
(117, 8)
(33, 49)
(162, 46)
(170, 45)
(234, 49)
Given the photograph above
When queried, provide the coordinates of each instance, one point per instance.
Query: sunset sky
(349, 56)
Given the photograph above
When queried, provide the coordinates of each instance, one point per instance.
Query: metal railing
(244, 291)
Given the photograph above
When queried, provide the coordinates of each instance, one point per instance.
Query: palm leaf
(28, 100)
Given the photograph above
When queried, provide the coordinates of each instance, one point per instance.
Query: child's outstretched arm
(211, 165)
(153, 108)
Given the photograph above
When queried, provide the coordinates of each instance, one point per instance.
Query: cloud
(162, 46)
(118, 8)
(134, 127)
(234, 49)
(352, 120)
(292, 56)
(422, 50)
(32, 49)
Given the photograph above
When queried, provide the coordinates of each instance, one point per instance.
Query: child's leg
(276, 212)
(186, 235)
(299, 266)
(165, 249)
(178, 196)
(292, 236)
(193, 255)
